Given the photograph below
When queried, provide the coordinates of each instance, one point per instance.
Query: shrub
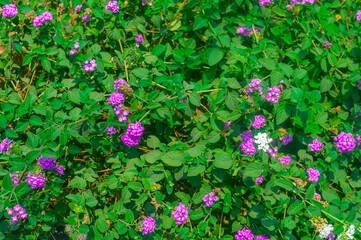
(180, 119)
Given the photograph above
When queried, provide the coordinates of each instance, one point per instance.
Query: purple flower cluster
(60, 169)
(313, 174)
(246, 32)
(262, 237)
(81, 236)
(244, 234)
(39, 20)
(273, 94)
(227, 126)
(49, 164)
(258, 121)
(272, 152)
(36, 181)
(89, 66)
(75, 49)
(78, 8)
(180, 213)
(327, 44)
(138, 39)
(247, 146)
(148, 225)
(17, 213)
(316, 145)
(9, 10)
(15, 178)
(265, 2)
(358, 15)
(86, 18)
(285, 160)
(144, 2)
(117, 99)
(345, 142)
(112, 6)
(5, 145)
(287, 139)
(111, 130)
(317, 196)
(302, 2)
(46, 163)
(255, 84)
(209, 198)
(259, 180)
(121, 113)
(133, 134)
(120, 83)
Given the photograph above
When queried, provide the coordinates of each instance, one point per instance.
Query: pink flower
(180, 213)
(258, 121)
(285, 160)
(259, 180)
(209, 198)
(313, 174)
(316, 145)
(148, 225)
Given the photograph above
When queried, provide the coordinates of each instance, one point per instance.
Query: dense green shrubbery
(192, 93)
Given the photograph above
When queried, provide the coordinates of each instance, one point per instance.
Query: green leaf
(3, 121)
(276, 77)
(282, 114)
(284, 183)
(232, 83)
(46, 64)
(74, 96)
(35, 120)
(299, 73)
(195, 170)
(295, 207)
(195, 99)
(269, 222)
(95, 49)
(140, 72)
(199, 22)
(223, 160)
(136, 186)
(215, 55)
(287, 69)
(326, 84)
(173, 158)
(213, 137)
(153, 142)
(321, 118)
(332, 60)
(152, 156)
(90, 200)
(27, 59)
(268, 63)
(102, 225)
(7, 183)
(77, 182)
(184, 197)
(296, 95)
(253, 170)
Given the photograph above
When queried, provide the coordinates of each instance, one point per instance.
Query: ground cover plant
(174, 119)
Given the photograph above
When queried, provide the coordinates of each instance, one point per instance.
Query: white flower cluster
(348, 234)
(262, 140)
(326, 231)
